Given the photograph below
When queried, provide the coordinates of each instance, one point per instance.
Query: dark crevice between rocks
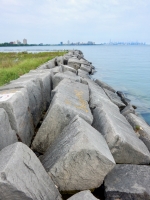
(100, 192)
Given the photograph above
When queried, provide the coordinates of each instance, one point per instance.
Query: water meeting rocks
(128, 109)
(104, 85)
(79, 159)
(124, 144)
(128, 182)
(23, 177)
(16, 104)
(70, 99)
(7, 135)
(141, 127)
(84, 195)
(114, 98)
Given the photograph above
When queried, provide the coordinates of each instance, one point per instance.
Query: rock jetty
(63, 133)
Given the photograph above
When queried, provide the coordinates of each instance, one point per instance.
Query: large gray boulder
(114, 98)
(83, 74)
(67, 68)
(140, 127)
(124, 144)
(7, 135)
(74, 63)
(60, 60)
(104, 85)
(70, 99)
(84, 195)
(23, 177)
(128, 182)
(128, 109)
(60, 76)
(45, 83)
(97, 95)
(86, 68)
(33, 86)
(16, 104)
(79, 159)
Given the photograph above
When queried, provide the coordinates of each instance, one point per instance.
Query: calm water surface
(126, 68)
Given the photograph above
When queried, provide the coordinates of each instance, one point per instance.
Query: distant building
(61, 43)
(18, 42)
(24, 41)
(68, 42)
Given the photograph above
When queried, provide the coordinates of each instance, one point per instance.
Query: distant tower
(68, 42)
(24, 41)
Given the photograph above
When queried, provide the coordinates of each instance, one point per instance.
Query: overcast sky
(53, 21)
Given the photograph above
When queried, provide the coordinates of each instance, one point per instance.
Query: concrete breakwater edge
(61, 132)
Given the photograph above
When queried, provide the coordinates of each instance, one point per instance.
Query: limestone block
(16, 103)
(97, 95)
(114, 98)
(124, 144)
(123, 98)
(74, 63)
(64, 107)
(51, 63)
(60, 76)
(79, 159)
(104, 85)
(45, 83)
(86, 68)
(23, 176)
(43, 66)
(84, 195)
(141, 127)
(33, 86)
(128, 182)
(83, 74)
(59, 60)
(128, 109)
(67, 68)
(69, 73)
(7, 135)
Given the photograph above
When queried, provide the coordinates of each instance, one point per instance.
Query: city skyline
(52, 21)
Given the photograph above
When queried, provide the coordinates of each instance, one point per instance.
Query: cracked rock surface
(22, 176)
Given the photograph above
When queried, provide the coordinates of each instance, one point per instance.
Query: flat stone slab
(67, 68)
(128, 182)
(84, 195)
(16, 104)
(7, 135)
(70, 99)
(123, 142)
(79, 159)
(114, 98)
(140, 127)
(23, 176)
(74, 63)
(104, 85)
(60, 76)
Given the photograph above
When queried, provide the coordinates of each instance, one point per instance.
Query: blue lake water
(126, 68)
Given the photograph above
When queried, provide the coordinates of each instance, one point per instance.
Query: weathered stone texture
(16, 104)
(70, 99)
(128, 182)
(140, 127)
(7, 135)
(23, 177)
(104, 85)
(79, 158)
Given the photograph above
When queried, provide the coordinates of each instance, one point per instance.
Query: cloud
(77, 19)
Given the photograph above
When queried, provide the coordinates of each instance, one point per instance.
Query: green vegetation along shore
(13, 65)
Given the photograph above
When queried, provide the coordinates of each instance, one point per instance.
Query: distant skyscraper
(24, 41)
(18, 42)
(68, 42)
